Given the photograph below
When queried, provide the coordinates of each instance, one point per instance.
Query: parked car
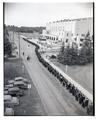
(11, 81)
(18, 78)
(22, 79)
(9, 111)
(15, 91)
(26, 81)
(10, 101)
(21, 84)
(5, 92)
(6, 88)
(9, 85)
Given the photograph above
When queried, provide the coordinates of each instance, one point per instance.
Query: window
(66, 40)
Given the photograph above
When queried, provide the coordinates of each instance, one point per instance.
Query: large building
(69, 31)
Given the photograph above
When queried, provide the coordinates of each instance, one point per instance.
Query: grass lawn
(81, 74)
(30, 103)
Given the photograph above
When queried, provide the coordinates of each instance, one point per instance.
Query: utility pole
(19, 43)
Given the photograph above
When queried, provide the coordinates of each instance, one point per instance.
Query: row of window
(67, 34)
(56, 38)
(51, 38)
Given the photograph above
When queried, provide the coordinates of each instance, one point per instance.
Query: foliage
(73, 56)
(7, 44)
(25, 29)
(69, 56)
(86, 53)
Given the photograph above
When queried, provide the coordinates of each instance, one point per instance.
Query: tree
(86, 52)
(61, 54)
(7, 44)
(74, 56)
(68, 56)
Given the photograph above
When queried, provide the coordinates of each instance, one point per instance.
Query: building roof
(66, 20)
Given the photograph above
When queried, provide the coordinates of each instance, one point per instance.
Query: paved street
(55, 99)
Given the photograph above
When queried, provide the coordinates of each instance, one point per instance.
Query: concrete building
(71, 32)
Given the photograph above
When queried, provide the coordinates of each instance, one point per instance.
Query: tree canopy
(74, 56)
(7, 44)
(25, 29)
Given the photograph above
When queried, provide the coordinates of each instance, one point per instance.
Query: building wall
(83, 26)
(69, 31)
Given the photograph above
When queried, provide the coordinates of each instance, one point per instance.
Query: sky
(38, 14)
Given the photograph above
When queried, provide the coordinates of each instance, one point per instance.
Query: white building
(70, 32)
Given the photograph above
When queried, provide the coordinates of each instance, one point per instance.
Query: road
(55, 98)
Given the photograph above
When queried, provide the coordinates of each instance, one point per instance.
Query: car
(6, 88)
(15, 91)
(9, 111)
(20, 93)
(11, 81)
(21, 84)
(26, 81)
(18, 78)
(5, 92)
(7, 97)
(22, 79)
(9, 85)
(10, 101)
